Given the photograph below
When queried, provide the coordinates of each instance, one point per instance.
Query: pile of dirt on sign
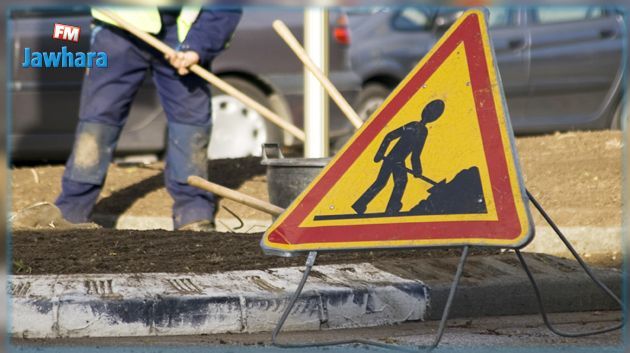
(116, 251)
(461, 195)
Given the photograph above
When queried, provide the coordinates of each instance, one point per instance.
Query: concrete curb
(587, 241)
(166, 223)
(336, 296)
(497, 285)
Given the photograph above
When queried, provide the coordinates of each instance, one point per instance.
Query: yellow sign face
(434, 166)
(442, 156)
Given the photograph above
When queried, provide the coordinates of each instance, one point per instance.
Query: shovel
(430, 181)
(234, 195)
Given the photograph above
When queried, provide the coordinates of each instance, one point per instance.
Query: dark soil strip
(116, 251)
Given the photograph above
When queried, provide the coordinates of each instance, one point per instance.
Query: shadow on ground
(231, 173)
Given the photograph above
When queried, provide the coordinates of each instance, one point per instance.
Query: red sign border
(508, 225)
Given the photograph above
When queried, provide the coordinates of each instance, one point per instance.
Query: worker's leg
(186, 101)
(106, 97)
(400, 183)
(381, 180)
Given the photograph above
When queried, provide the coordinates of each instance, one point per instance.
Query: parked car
(45, 102)
(561, 66)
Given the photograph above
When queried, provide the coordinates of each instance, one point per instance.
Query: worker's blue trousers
(106, 97)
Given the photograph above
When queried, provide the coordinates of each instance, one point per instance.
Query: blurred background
(562, 69)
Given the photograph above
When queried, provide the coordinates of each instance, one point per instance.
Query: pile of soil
(576, 176)
(116, 251)
(138, 190)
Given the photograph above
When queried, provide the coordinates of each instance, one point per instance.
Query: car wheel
(369, 100)
(237, 130)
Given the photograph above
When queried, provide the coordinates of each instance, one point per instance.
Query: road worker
(199, 35)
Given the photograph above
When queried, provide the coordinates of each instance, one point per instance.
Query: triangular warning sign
(434, 166)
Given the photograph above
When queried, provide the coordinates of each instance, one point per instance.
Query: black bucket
(288, 177)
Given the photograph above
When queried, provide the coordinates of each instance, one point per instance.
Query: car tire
(239, 131)
(369, 100)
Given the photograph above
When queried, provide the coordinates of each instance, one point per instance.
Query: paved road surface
(501, 332)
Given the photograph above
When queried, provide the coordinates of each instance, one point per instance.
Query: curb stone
(154, 304)
(497, 285)
(166, 223)
(587, 241)
(336, 296)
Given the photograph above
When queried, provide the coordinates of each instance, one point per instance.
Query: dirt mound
(576, 176)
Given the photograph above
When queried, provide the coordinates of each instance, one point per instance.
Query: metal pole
(315, 99)
(451, 297)
(310, 262)
(586, 269)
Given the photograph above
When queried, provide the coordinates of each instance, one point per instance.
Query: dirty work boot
(44, 215)
(199, 226)
(186, 155)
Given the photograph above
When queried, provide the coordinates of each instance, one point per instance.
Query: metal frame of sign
(526, 237)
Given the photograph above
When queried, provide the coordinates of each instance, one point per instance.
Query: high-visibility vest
(148, 18)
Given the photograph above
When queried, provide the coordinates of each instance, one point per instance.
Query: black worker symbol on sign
(461, 195)
(410, 141)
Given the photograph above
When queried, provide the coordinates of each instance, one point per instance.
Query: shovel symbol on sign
(425, 179)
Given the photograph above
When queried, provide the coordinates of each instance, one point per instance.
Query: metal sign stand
(310, 262)
(584, 266)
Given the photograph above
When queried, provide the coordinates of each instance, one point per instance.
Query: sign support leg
(451, 297)
(584, 266)
(310, 262)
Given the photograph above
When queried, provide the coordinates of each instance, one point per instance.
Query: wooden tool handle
(207, 75)
(235, 196)
(285, 33)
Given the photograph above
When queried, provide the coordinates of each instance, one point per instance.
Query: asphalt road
(506, 333)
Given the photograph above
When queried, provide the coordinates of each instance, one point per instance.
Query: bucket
(288, 177)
